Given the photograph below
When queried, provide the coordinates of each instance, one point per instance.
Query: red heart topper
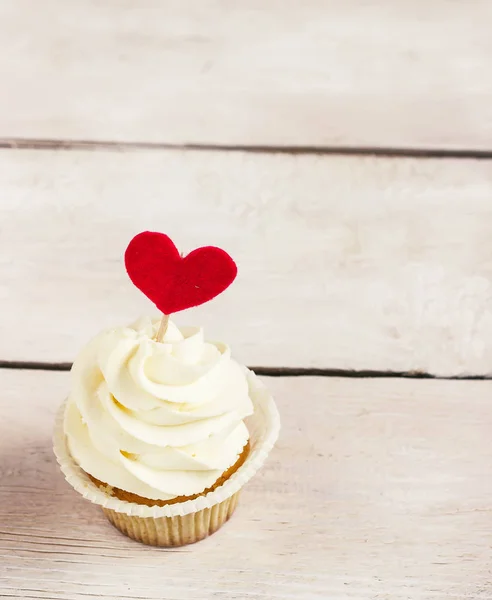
(172, 282)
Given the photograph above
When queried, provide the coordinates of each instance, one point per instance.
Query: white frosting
(157, 419)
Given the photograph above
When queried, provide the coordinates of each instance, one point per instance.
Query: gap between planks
(53, 144)
(270, 371)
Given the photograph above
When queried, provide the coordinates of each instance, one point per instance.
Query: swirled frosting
(158, 419)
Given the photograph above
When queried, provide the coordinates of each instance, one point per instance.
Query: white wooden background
(342, 153)
(344, 262)
(409, 73)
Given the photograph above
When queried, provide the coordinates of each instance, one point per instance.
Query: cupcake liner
(174, 531)
(184, 522)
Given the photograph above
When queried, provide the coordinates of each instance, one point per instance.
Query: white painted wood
(410, 73)
(344, 262)
(376, 489)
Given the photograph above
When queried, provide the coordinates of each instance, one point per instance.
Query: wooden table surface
(377, 488)
(342, 153)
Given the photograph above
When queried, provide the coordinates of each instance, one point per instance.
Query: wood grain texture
(408, 74)
(376, 489)
(344, 262)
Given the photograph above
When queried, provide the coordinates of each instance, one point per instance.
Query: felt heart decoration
(171, 281)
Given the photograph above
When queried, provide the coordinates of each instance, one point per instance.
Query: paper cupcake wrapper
(174, 531)
(215, 507)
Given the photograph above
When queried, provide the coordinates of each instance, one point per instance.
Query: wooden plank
(385, 481)
(407, 74)
(345, 263)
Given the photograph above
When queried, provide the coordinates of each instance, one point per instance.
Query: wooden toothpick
(162, 328)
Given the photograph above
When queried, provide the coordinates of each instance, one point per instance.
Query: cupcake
(162, 428)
